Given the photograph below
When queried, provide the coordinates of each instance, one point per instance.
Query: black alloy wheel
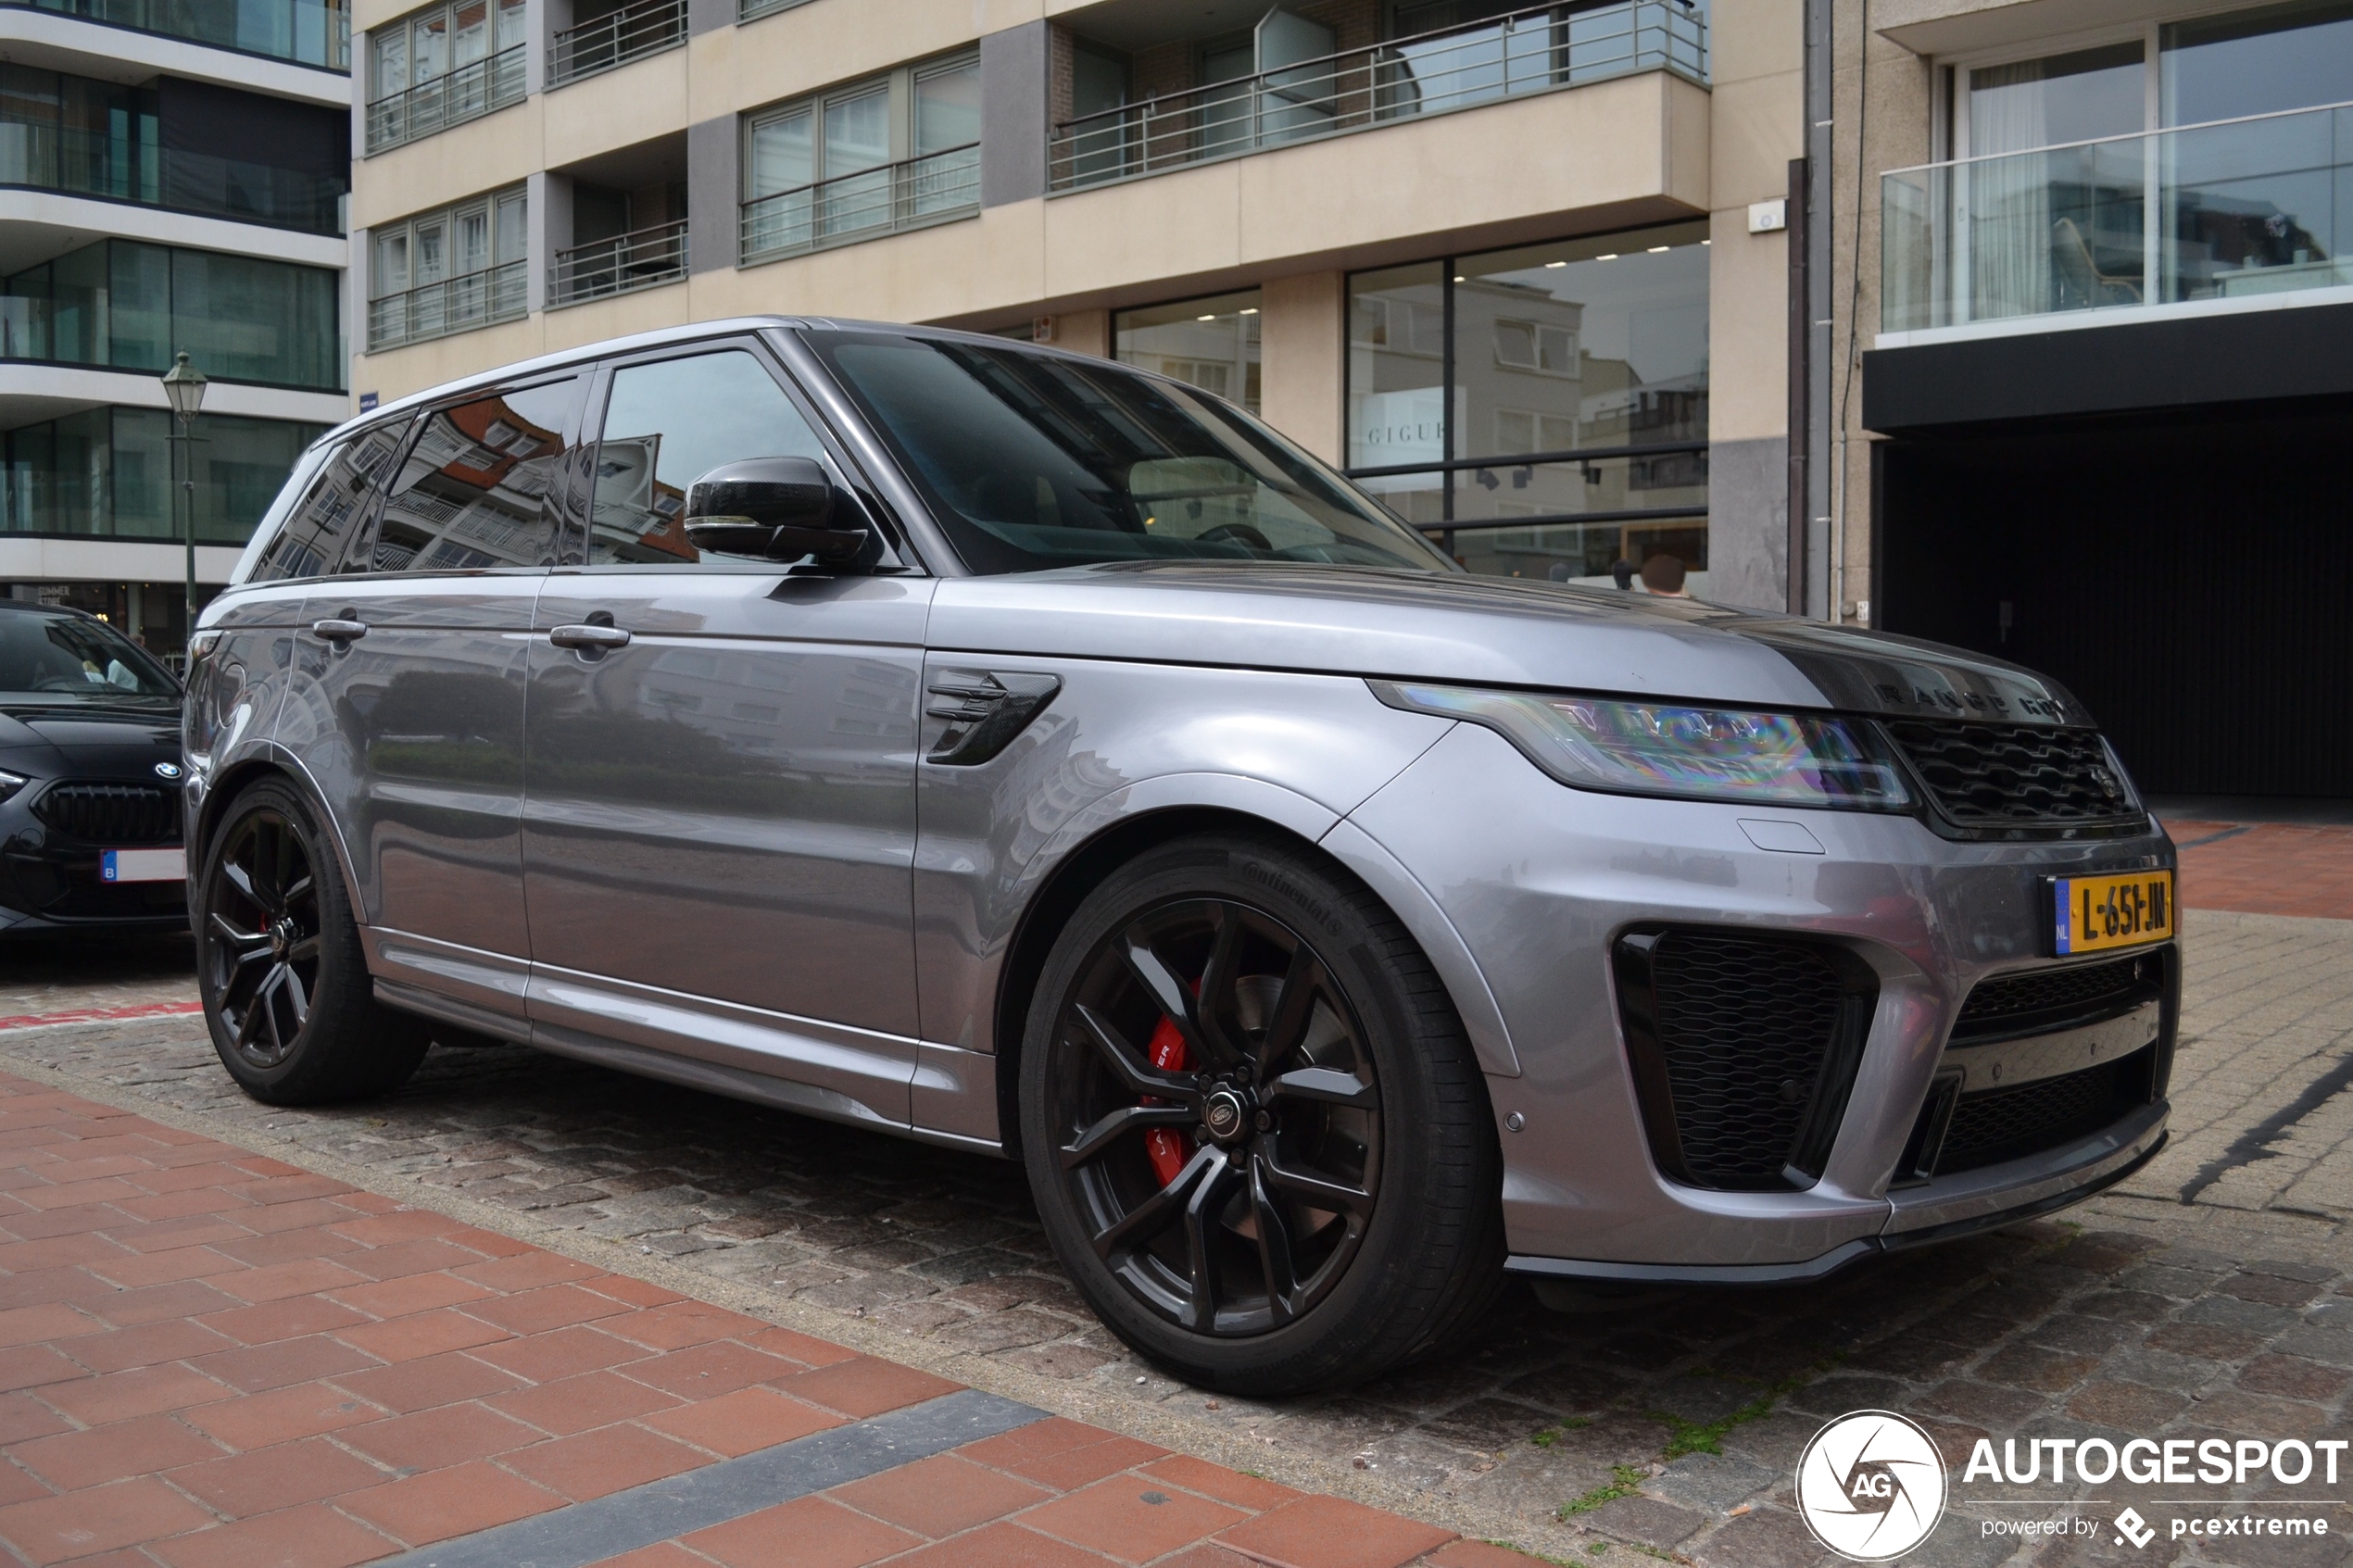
(1257, 1136)
(260, 938)
(280, 966)
(1276, 1115)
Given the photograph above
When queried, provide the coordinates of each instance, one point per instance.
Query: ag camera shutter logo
(1871, 1485)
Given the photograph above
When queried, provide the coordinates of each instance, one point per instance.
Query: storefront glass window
(1211, 344)
(1544, 408)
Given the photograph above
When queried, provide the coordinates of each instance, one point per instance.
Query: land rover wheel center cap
(1225, 1115)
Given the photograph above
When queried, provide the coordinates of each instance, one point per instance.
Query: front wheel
(1255, 1131)
(279, 965)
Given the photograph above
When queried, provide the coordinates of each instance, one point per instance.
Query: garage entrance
(2190, 577)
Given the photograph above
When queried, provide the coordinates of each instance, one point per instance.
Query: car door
(406, 703)
(718, 813)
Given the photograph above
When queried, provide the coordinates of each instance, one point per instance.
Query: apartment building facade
(173, 178)
(2090, 362)
(1521, 270)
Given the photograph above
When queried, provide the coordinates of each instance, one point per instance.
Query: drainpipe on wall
(1810, 523)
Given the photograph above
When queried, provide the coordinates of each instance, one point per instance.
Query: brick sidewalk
(210, 1358)
(2266, 867)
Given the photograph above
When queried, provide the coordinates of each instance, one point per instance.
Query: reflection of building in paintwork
(741, 701)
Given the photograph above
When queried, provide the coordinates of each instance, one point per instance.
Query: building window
(448, 271)
(128, 306)
(1542, 410)
(871, 159)
(442, 67)
(309, 32)
(108, 472)
(254, 159)
(1211, 344)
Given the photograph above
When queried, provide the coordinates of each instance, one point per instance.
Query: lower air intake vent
(2037, 1001)
(1997, 1124)
(1745, 1050)
(112, 814)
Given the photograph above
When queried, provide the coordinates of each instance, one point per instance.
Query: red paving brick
(2266, 867)
(213, 1360)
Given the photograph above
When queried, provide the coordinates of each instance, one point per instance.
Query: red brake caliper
(1166, 1146)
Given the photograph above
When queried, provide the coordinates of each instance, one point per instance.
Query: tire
(279, 965)
(1235, 1053)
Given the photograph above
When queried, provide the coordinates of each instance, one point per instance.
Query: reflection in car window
(70, 655)
(472, 491)
(666, 425)
(1036, 461)
(318, 531)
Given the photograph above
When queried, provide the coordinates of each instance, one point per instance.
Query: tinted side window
(666, 425)
(476, 489)
(325, 523)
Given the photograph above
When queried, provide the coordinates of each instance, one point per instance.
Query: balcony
(2189, 220)
(453, 305)
(48, 156)
(629, 33)
(467, 93)
(304, 33)
(1537, 50)
(643, 258)
(936, 188)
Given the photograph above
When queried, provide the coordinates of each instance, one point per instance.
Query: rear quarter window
(318, 528)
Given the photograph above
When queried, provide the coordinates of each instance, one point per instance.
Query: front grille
(112, 814)
(2038, 999)
(2014, 776)
(1745, 1051)
(1997, 1124)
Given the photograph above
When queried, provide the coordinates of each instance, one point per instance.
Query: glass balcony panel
(2199, 212)
(309, 32)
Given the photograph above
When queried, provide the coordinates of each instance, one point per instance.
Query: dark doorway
(2190, 579)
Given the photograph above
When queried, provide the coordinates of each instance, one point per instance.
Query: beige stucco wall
(1618, 153)
(1302, 326)
(1757, 127)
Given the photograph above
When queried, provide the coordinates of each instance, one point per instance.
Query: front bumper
(50, 882)
(1541, 881)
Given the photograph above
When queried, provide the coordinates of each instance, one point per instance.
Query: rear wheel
(1255, 1131)
(279, 964)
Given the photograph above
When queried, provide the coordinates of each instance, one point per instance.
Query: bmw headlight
(1677, 750)
(10, 783)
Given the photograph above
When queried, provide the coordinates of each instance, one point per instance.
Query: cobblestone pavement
(2210, 1296)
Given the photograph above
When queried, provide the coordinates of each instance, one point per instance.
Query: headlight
(1674, 749)
(10, 783)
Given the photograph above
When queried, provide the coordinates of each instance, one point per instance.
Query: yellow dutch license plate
(2095, 914)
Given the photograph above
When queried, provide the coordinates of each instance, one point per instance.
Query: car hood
(102, 739)
(1486, 631)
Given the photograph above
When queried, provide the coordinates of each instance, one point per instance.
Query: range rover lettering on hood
(1878, 672)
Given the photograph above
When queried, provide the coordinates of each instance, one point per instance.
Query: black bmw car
(90, 775)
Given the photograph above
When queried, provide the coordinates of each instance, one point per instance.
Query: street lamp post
(184, 387)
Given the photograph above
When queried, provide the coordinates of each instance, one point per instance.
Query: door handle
(345, 632)
(588, 637)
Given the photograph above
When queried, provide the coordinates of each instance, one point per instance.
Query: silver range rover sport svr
(1006, 749)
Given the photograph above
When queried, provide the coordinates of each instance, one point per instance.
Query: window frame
(900, 559)
(900, 83)
(494, 11)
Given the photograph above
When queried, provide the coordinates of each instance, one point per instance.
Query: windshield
(1034, 462)
(73, 655)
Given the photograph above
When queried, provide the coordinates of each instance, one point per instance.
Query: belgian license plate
(2095, 914)
(142, 865)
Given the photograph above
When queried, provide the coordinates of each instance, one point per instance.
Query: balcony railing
(454, 305)
(643, 258)
(873, 202)
(2225, 210)
(308, 33)
(46, 156)
(1531, 51)
(635, 31)
(469, 91)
